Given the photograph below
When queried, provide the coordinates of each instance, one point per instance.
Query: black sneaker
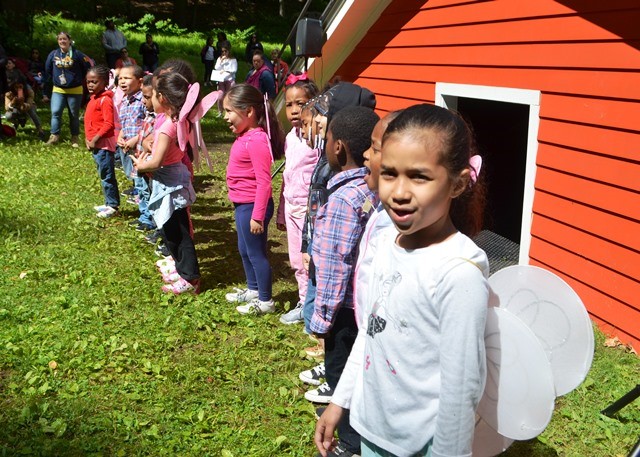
(339, 451)
(153, 237)
(162, 250)
(144, 227)
(130, 191)
(322, 394)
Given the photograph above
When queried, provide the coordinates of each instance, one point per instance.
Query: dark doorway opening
(501, 131)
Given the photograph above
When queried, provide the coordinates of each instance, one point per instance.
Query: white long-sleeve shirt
(420, 358)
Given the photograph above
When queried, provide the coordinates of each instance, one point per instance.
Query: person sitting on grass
(338, 228)
(19, 102)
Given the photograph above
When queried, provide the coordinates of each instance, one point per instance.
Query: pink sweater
(249, 171)
(296, 178)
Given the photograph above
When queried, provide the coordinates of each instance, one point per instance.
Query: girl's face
(416, 189)
(320, 125)
(295, 99)
(373, 156)
(64, 42)
(10, 65)
(156, 100)
(239, 120)
(306, 127)
(147, 97)
(95, 85)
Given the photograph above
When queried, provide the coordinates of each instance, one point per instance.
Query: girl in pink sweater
(301, 161)
(259, 141)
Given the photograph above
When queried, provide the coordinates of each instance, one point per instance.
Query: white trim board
(447, 96)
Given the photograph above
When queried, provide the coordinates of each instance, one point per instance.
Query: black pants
(208, 68)
(337, 347)
(178, 240)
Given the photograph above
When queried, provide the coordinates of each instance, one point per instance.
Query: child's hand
(281, 227)
(91, 144)
(86, 143)
(121, 142)
(325, 428)
(130, 143)
(306, 260)
(256, 227)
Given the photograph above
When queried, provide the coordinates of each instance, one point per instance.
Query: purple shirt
(338, 229)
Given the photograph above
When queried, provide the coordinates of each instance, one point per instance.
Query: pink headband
(292, 79)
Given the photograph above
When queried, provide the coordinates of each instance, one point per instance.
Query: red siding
(586, 63)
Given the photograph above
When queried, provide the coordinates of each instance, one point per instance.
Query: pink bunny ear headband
(190, 115)
(475, 164)
(292, 79)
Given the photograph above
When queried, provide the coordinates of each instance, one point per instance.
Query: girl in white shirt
(225, 73)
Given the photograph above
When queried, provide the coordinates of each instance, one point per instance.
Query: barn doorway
(505, 123)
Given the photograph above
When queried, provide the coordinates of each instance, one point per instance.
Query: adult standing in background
(261, 76)
(252, 46)
(149, 51)
(66, 67)
(113, 41)
(208, 58)
(222, 42)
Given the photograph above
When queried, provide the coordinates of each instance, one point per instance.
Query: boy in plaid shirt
(338, 228)
(131, 115)
(146, 221)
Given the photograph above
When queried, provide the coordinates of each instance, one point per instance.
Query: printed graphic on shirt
(376, 322)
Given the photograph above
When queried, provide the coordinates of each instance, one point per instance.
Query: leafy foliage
(149, 24)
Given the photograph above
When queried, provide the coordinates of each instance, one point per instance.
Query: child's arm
(464, 296)
(106, 106)
(261, 162)
(159, 150)
(337, 232)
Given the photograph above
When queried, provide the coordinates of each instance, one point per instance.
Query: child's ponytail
(270, 123)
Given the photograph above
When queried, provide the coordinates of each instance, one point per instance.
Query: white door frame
(447, 96)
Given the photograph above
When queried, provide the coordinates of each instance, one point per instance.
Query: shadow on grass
(217, 243)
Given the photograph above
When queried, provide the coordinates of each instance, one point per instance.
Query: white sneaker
(257, 306)
(107, 212)
(100, 208)
(294, 316)
(241, 295)
(314, 375)
(322, 394)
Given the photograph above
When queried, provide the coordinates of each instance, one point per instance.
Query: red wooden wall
(584, 57)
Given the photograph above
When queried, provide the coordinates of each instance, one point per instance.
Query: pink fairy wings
(190, 114)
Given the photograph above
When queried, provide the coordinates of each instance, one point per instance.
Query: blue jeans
(253, 249)
(107, 173)
(58, 103)
(141, 184)
(310, 298)
(127, 163)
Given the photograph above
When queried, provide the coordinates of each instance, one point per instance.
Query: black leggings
(178, 240)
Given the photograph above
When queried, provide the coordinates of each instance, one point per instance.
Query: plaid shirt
(338, 229)
(131, 114)
(147, 129)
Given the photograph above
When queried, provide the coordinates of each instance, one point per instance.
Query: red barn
(552, 89)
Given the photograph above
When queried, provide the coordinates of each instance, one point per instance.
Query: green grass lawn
(95, 360)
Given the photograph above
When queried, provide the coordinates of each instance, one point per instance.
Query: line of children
(259, 141)
(301, 160)
(416, 372)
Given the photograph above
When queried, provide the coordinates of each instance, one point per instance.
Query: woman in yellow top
(66, 67)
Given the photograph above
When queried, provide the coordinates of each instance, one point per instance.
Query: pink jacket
(249, 171)
(296, 178)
